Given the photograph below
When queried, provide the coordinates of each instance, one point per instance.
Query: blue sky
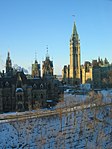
(28, 26)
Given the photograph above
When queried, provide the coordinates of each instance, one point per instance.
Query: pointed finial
(47, 47)
(8, 52)
(35, 55)
(47, 55)
(74, 32)
(74, 29)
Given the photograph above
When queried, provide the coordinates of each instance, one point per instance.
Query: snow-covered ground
(77, 128)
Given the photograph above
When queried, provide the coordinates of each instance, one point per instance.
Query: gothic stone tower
(74, 57)
(47, 67)
(36, 69)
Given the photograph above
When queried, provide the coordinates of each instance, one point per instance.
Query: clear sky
(28, 26)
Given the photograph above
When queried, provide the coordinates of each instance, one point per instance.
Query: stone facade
(36, 69)
(71, 74)
(74, 57)
(86, 73)
(47, 67)
(65, 74)
(102, 73)
(19, 92)
(98, 73)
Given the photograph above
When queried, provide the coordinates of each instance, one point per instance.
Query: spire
(8, 56)
(74, 57)
(74, 32)
(8, 63)
(35, 57)
(47, 55)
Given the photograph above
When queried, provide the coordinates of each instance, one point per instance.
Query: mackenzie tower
(74, 57)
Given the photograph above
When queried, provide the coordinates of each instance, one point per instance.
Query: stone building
(86, 73)
(19, 93)
(65, 74)
(71, 74)
(98, 73)
(36, 69)
(102, 76)
(47, 67)
(74, 57)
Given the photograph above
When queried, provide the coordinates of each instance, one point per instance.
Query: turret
(8, 64)
(36, 69)
(47, 67)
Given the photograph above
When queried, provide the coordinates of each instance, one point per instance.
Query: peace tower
(74, 75)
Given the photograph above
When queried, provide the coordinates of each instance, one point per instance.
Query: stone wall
(79, 129)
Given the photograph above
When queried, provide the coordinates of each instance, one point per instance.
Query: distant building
(86, 73)
(102, 76)
(36, 70)
(65, 74)
(47, 67)
(98, 73)
(74, 57)
(19, 92)
(71, 73)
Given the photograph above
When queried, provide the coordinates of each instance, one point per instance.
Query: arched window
(41, 86)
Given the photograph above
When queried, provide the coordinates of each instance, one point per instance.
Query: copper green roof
(74, 32)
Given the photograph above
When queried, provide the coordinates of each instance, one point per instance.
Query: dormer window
(41, 86)
(34, 86)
